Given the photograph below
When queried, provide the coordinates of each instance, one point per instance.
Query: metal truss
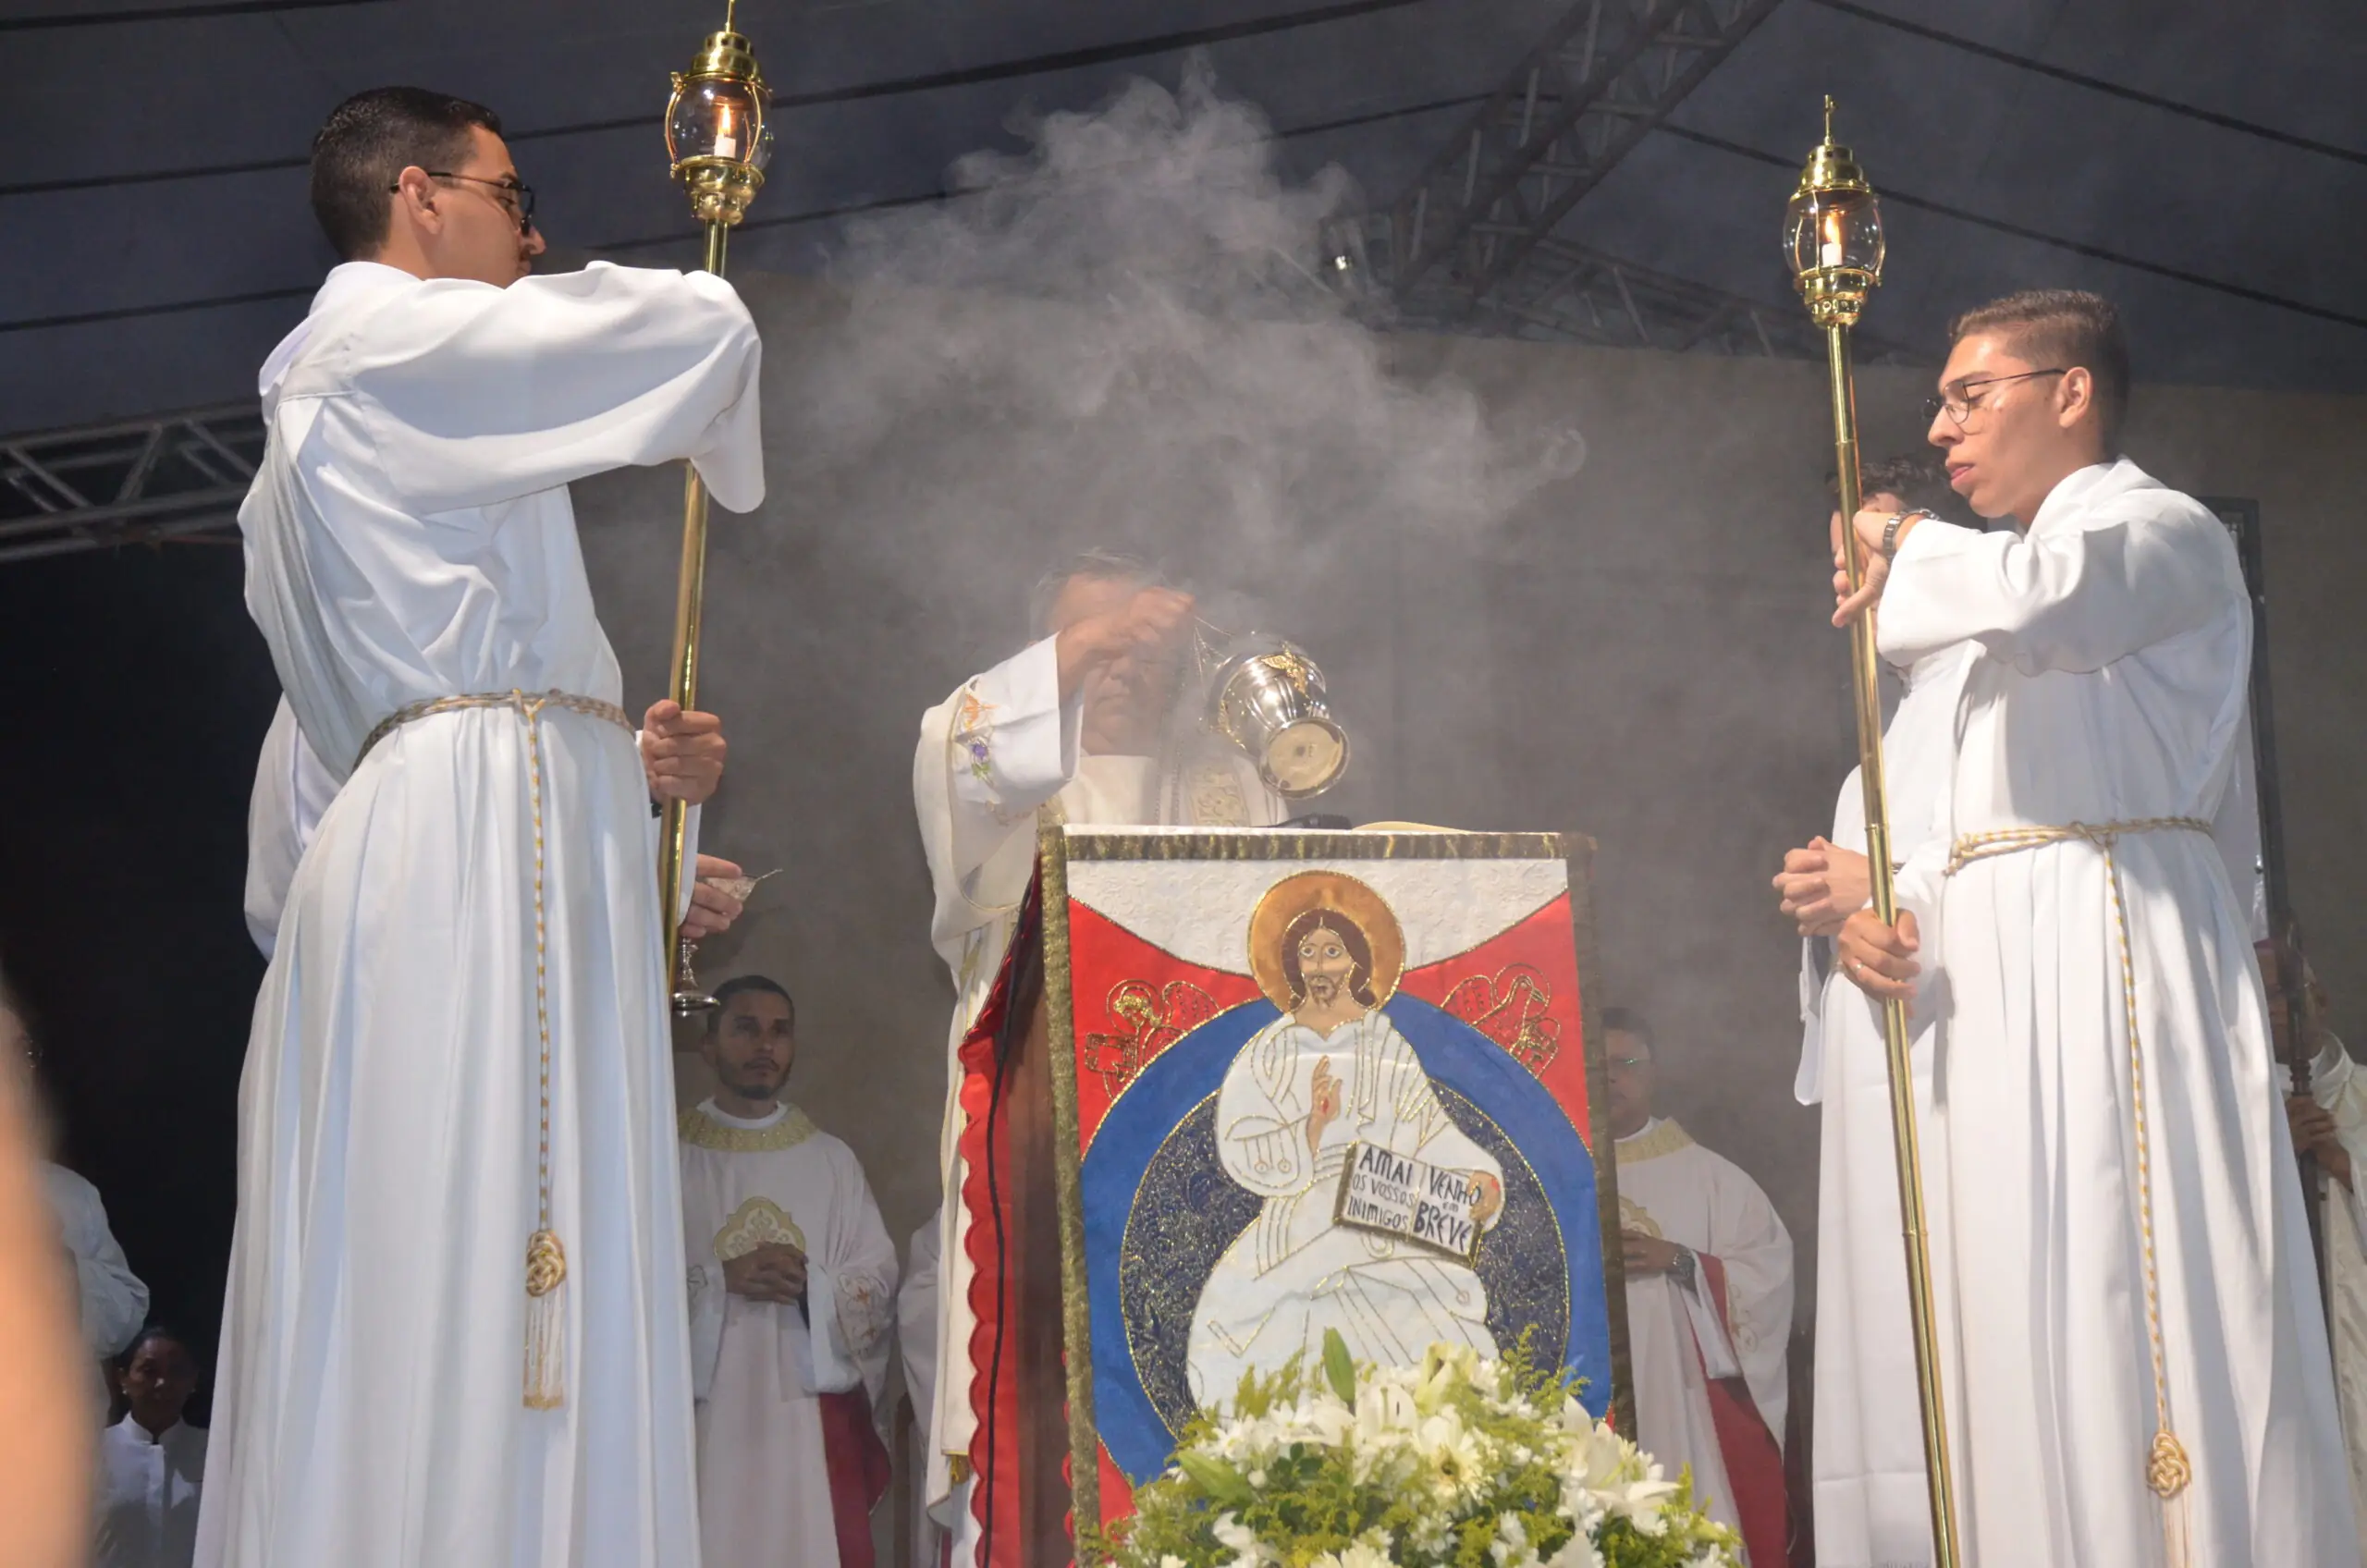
(172, 476)
(1472, 245)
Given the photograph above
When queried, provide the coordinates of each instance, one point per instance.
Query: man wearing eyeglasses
(2135, 1362)
(456, 1330)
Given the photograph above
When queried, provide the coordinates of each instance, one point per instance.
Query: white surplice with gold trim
(1679, 1338)
(759, 1369)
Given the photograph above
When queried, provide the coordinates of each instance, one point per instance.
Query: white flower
(1240, 1539)
(1511, 1549)
(1578, 1552)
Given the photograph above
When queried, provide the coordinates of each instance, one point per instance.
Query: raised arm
(2158, 565)
(475, 395)
(989, 755)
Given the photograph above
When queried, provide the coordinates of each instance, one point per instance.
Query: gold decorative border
(1579, 851)
(1076, 1311)
(1274, 844)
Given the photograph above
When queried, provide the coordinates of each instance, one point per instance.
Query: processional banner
(1311, 1082)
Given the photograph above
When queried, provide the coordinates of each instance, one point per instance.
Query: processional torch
(1833, 229)
(717, 141)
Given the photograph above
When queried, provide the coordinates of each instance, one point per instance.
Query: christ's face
(1325, 966)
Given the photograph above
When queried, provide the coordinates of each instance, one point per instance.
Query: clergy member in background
(1871, 1504)
(916, 1338)
(1709, 1306)
(2137, 1359)
(2331, 1123)
(459, 1253)
(1076, 728)
(792, 1302)
(151, 1462)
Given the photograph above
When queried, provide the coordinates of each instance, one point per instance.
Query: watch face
(1304, 757)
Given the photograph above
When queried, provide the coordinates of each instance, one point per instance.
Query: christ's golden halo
(1294, 896)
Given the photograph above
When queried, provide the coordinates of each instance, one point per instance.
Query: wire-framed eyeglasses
(1957, 401)
(516, 198)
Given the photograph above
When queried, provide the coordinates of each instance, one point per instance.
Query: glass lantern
(717, 118)
(1828, 230)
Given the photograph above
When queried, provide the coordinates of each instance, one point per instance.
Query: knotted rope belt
(2166, 1467)
(546, 1380)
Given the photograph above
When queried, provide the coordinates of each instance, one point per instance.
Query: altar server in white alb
(792, 1306)
(1708, 1270)
(1866, 1467)
(456, 1329)
(2135, 1364)
(1075, 727)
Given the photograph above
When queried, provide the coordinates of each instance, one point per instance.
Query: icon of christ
(1331, 1075)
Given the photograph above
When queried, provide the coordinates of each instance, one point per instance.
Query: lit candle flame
(1830, 254)
(727, 145)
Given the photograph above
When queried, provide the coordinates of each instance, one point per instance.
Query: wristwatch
(1682, 1269)
(1890, 530)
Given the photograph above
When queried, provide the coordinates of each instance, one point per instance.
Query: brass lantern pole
(1833, 229)
(717, 141)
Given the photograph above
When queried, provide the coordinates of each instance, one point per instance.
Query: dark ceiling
(2203, 163)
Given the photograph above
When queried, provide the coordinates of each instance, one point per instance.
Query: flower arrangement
(1459, 1463)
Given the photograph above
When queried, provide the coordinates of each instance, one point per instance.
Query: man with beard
(792, 1283)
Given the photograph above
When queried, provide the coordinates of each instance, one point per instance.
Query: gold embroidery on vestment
(756, 1223)
(1667, 1138)
(700, 1131)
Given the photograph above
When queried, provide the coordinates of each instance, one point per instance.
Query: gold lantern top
(715, 132)
(1833, 231)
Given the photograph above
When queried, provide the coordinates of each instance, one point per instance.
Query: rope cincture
(2168, 1469)
(546, 1348)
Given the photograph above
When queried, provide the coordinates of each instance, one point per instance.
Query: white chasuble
(466, 968)
(2126, 1242)
(993, 758)
(1294, 1273)
(1866, 1465)
(1708, 1357)
(789, 1453)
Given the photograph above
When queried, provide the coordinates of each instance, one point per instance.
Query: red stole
(1754, 1460)
(858, 1467)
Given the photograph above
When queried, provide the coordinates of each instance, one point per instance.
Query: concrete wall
(1640, 654)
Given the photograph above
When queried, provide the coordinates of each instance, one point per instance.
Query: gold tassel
(546, 1322)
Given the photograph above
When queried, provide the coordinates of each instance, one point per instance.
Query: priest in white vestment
(455, 1329)
(1708, 1270)
(793, 1301)
(1871, 1500)
(2135, 1368)
(2331, 1124)
(1077, 725)
(151, 1463)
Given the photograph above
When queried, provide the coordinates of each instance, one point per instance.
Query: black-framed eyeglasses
(1957, 401)
(517, 197)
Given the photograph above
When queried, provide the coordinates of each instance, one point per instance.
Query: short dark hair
(1916, 478)
(1094, 565)
(367, 143)
(739, 985)
(1627, 1021)
(2066, 328)
(149, 1335)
